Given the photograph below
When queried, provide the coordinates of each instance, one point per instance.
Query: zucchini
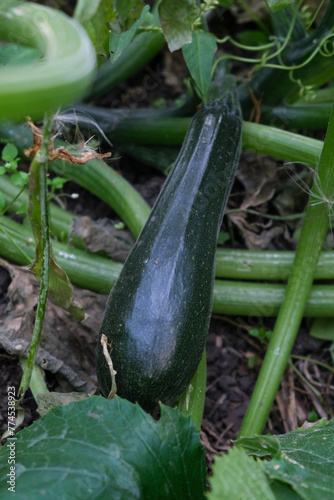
(158, 311)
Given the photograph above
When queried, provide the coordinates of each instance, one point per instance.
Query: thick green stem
(109, 186)
(62, 77)
(191, 402)
(112, 188)
(303, 115)
(310, 116)
(39, 222)
(314, 230)
(85, 270)
(60, 219)
(281, 144)
(96, 273)
(260, 138)
(230, 263)
(266, 265)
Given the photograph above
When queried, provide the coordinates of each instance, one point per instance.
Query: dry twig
(59, 153)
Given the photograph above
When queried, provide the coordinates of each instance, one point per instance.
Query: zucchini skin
(158, 312)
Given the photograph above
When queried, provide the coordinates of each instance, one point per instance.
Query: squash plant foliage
(101, 448)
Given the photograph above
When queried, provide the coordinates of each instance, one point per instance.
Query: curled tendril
(276, 42)
(249, 48)
(204, 8)
(326, 47)
(306, 92)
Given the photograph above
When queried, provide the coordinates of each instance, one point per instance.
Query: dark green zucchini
(158, 312)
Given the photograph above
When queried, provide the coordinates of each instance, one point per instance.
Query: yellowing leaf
(177, 18)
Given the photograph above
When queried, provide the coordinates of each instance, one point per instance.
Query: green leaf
(20, 178)
(9, 152)
(239, 477)
(85, 10)
(307, 461)
(223, 237)
(2, 202)
(302, 459)
(261, 446)
(95, 16)
(283, 491)
(177, 18)
(57, 182)
(103, 449)
(127, 13)
(275, 5)
(61, 290)
(198, 56)
(313, 416)
(262, 334)
(49, 400)
(118, 43)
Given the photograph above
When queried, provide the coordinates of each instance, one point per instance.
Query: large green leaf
(239, 477)
(261, 446)
(198, 56)
(118, 43)
(307, 461)
(283, 491)
(85, 10)
(127, 13)
(177, 18)
(303, 459)
(101, 449)
(94, 16)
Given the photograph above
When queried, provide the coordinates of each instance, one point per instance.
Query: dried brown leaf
(257, 174)
(67, 348)
(101, 235)
(254, 237)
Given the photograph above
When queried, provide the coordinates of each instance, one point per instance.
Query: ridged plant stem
(92, 272)
(68, 65)
(314, 230)
(40, 223)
